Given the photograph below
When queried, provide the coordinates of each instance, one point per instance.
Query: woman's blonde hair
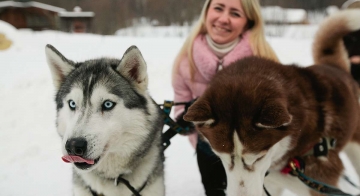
(259, 45)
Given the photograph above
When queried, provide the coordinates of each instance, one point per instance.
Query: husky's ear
(199, 113)
(59, 65)
(274, 115)
(133, 68)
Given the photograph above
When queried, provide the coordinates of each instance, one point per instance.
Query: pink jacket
(207, 65)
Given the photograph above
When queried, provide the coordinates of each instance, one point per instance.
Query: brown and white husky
(258, 114)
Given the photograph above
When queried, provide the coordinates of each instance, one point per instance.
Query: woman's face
(225, 20)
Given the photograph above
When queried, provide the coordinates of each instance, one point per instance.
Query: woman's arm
(182, 92)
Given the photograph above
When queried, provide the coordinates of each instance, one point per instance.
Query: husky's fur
(257, 114)
(123, 140)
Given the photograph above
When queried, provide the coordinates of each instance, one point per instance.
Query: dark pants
(355, 72)
(212, 171)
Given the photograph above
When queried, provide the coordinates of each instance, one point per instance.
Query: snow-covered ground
(30, 146)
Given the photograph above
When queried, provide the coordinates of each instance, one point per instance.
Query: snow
(30, 146)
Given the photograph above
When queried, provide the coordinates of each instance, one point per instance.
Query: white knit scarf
(221, 50)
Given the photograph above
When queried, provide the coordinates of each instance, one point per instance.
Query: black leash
(174, 128)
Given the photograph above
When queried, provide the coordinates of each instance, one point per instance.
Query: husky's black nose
(76, 146)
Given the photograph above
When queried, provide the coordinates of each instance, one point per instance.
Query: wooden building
(76, 21)
(32, 15)
(275, 15)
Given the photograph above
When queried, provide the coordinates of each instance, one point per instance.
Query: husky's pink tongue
(76, 159)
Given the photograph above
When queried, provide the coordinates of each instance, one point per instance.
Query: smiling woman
(227, 30)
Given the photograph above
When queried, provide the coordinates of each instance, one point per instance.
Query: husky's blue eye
(72, 104)
(108, 105)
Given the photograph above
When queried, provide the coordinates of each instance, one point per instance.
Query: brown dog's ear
(274, 115)
(199, 113)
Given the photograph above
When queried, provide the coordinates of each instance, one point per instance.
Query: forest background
(112, 15)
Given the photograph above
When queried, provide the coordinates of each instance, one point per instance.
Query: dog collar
(322, 147)
(319, 149)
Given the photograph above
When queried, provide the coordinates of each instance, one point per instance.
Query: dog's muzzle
(76, 149)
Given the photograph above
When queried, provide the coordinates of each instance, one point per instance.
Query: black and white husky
(109, 125)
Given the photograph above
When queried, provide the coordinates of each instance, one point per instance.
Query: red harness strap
(321, 148)
(288, 168)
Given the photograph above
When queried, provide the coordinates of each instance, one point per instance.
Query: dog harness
(126, 183)
(320, 187)
(296, 167)
(319, 149)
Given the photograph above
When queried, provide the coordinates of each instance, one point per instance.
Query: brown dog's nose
(76, 146)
